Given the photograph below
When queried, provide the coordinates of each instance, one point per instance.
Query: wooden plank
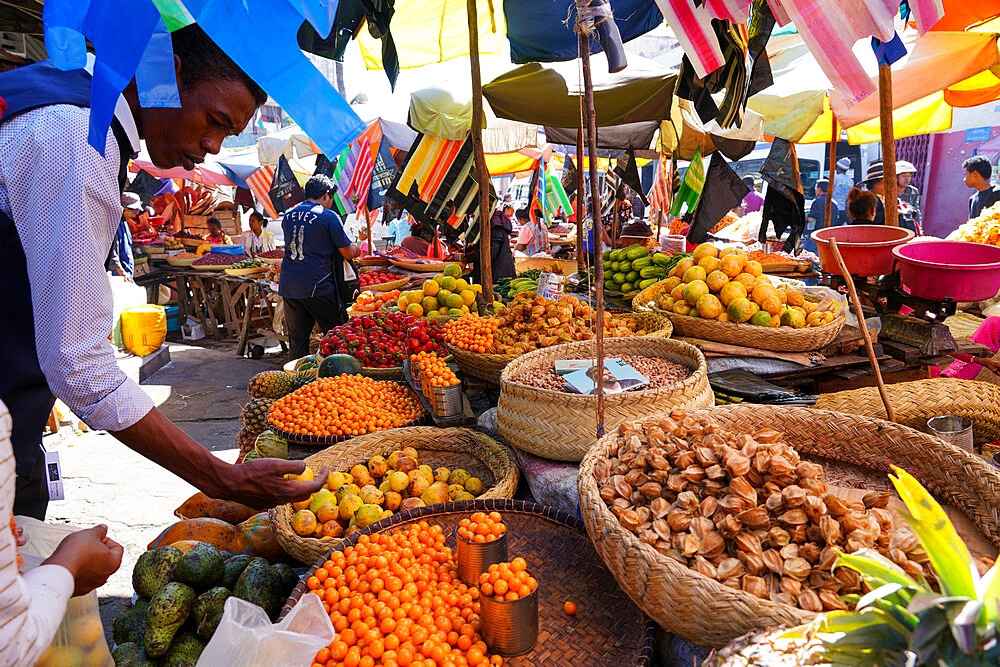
(907, 375)
(241, 345)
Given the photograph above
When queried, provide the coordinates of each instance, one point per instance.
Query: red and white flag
(659, 195)
(362, 177)
(260, 184)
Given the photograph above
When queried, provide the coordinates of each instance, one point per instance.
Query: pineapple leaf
(933, 622)
(988, 590)
(883, 592)
(946, 550)
(876, 569)
(964, 626)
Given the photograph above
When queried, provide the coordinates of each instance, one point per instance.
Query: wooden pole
(595, 198)
(864, 329)
(371, 241)
(888, 145)
(834, 137)
(485, 268)
(581, 255)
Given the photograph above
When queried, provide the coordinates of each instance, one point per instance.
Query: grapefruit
(468, 297)
(682, 266)
(682, 308)
(754, 268)
(793, 317)
(748, 281)
(771, 304)
(694, 291)
(671, 283)
(760, 291)
(454, 301)
(454, 270)
(731, 265)
(705, 250)
(448, 283)
(429, 304)
(461, 284)
(761, 318)
(709, 264)
(709, 306)
(695, 273)
(431, 287)
(795, 298)
(717, 280)
(415, 309)
(677, 293)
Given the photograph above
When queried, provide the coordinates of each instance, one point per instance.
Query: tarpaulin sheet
(550, 94)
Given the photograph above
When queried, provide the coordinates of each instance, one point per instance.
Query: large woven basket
(607, 629)
(394, 373)
(916, 402)
(560, 425)
(704, 611)
(480, 455)
(489, 367)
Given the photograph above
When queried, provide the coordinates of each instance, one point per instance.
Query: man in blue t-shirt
(315, 269)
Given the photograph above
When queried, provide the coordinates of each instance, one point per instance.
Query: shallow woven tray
(247, 272)
(389, 286)
(561, 425)
(490, 367)
(213, 267)
(190, 243)
(173, 261)
(608, 629)
(916, 402)
(428, 267)
(152, 248)
(394, 373)
(328, 440)
(704, 611)
(481, 455)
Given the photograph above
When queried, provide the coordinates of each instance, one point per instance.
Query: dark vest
(22, 384)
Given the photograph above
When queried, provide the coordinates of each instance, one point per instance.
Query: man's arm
(61, 189)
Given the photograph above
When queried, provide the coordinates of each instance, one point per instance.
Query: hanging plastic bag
(247, 638)
(144, 328)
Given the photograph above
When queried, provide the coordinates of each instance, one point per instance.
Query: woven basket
(560, 425)
(704, 611)
(489, 367)
(608, 629)
(395, 373)
(372, 261)
(916, 402)
(330, 440)
(389, 286)
(480, 455)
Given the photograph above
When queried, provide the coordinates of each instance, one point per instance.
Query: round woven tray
(560, 425)
(247, 272)
(328, 440)
(209, 267)
(489, 367)
(608, 629)
(916, 402)
(481, 455)
(372, 261)
(704, 611)
(427, 267)
(190, 243)
(389, 286)
(394, 373)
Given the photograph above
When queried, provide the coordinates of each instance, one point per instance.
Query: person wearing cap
(816, 217)
(120, 261)
(875, 183)
(842, 184)
(978, 172)
(753, 201)
(908, 194)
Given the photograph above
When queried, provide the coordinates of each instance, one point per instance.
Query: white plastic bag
(247, 638)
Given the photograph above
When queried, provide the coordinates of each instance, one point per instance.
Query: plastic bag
(80, 637)
(144, 328)
(124, 295)
(247, 638)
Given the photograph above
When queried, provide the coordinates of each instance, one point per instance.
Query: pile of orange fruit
(395, 599)
(482, 527)
(372, 302)
(435, 368)
(345, 405)
(471, 333)
(507, 581)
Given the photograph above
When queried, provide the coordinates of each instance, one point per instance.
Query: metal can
(415, 375)
(953, 429)
(474, 558)
(509, 627)
(447, 401)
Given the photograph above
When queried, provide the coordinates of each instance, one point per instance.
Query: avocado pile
(181, 596)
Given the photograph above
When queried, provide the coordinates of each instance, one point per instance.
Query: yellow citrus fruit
(461, 284)
(431, 287)
(754, 268)
(454, 270)
(793, 317)
(678, 292)
(771, 304)
(415, 309)
(795, 298)
(304, 523)
(760, 291)
(443, 310)
(448, 283)
(85, 630)
(740, 310)
(716, 280)
(305, 476)
(695, 273)
(748, 281)
(682, 307)
(731, 265)
(671, 283)
(402, 303)
(710, 264)
(464, 309)
(477, 288)
(468, 297)
(705, 250)
(454, 301)
(443, 295)
(732, 291)
(694, 291)
(761, 318)
(709, 306)
(413, 296)
(682, 266)
(429, 303)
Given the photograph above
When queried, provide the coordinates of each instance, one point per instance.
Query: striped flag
(341, 177)
(555, 194)
(260, 184)
(659, 195)
(362, 177)
(691, 187)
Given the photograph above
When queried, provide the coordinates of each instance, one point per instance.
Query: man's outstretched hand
(260, 483)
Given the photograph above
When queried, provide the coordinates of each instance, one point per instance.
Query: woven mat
(608, 629)
(963, 325)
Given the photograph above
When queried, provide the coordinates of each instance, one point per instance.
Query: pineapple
(254, 417)
(271, 384)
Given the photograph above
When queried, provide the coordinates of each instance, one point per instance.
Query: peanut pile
(661, 373)
(746, 510)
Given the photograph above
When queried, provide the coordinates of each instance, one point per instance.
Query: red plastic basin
(866, 249)
(957, 269)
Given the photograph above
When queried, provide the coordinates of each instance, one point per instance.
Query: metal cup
(953, 429)
(509, 627)
(474, 558)
(447, 401)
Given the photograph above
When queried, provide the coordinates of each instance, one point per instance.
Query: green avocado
(167, 612)
(261, 585)
(234, 568)
(289, 579)
(201, 567)
(207, 611)
(130, 623)
(131, 654)
(184, 651)
(154, 569)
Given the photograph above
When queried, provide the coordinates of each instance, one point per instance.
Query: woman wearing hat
(875, 182)
(909, 196)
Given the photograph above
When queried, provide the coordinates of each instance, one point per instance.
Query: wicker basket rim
(750, 328)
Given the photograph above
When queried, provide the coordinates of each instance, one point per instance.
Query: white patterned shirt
(66, 205)
(32, 606)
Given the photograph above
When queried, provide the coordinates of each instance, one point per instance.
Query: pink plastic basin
(957, 269)
(866, 249)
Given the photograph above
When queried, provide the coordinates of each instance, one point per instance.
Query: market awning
(200, 174)
(549, 94)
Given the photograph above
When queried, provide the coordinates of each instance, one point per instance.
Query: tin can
(415, 376)
(953, 429)
(509, 627)
(474, 558)
(447, 401)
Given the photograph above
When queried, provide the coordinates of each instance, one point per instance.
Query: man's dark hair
(980, 164)
(317, 186)
(522, 214)
(214, 221)
(823, 185)
(750, 183)
(507, 206)
(202, 60)
(255, 215)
